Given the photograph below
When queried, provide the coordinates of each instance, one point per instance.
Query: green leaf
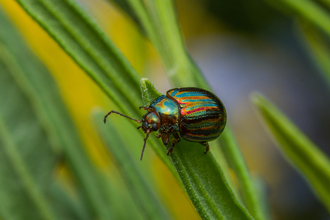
(204, 180)
(24, 174)
(64, 205)
(160, 22)
(263, 194)
(161, 25)
(119, 198)
(92, 50)
(183, 72)
(136, 183)
(298, 149)
(318, 47)
(217, 153)
(149, 92)
(27, 160)
(158, 19)
(307, 9)
(246, 184)
(126, 7)
(41, 90)
(180, 68)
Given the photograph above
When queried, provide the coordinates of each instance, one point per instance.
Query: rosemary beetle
(196, 114)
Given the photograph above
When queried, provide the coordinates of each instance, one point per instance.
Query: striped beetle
(196, 114)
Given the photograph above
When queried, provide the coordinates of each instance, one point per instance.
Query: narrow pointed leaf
(91, 49)
(307, 9)
(160, 23)
(158, 20)
(204, 180)
(26, 156)
(70, 26)
(237, 163)
(304, 155)
(318, 47)
(119, 197)
(41, 90)
(141, 191)
(149, 92)
(64, 205)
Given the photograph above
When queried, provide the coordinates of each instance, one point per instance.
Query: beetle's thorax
(168, 112)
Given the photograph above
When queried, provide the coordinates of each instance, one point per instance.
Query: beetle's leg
(158, 135)
(165, 138)
(145, 141)
(146, 108)
(206, 145)
(175, 140)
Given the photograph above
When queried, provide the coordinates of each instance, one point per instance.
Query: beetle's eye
(154, 127)
(145, 124)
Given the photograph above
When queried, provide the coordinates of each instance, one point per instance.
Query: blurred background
(241, 47)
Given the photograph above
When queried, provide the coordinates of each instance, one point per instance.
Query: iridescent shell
(168, 112)
(196, 114)
(202, 116)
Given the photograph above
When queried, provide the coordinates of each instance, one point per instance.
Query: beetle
(196, 114)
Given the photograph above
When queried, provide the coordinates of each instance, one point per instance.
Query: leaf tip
(148, 91)
(256, 97)
(260, 101)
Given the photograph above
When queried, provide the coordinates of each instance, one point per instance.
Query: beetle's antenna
(105, 117)
(144, 145)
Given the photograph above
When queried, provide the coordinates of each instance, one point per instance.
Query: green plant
(209, 185)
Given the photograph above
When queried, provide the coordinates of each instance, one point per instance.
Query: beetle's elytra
(196, 114)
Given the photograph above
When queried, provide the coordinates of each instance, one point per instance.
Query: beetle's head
(150, 122)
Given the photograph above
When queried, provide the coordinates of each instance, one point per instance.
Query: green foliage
(36, 131)
(203, 178)
(250, 194)
(163, 31)
(76, 33)
(141, 190)
(314, 26)
(43, 96)
(158, 20)
(19, 152)
(309, 10)
(303, 153)
(73, 30)
(318, 47)
(149, 92)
